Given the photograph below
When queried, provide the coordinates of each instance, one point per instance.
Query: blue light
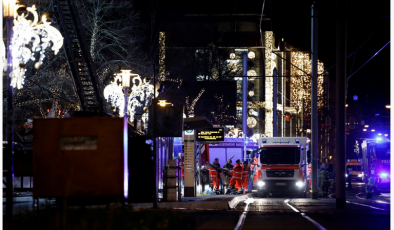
(384, 175)
(378, 139)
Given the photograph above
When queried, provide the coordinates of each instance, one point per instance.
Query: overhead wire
(355, 52)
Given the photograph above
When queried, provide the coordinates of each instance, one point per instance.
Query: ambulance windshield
(280, 155)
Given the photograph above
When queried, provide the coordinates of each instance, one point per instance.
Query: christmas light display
(301, 85)
(141, 95)
(251, 55)
(31, 37)
(251, 73)
(269, 66)
(251, 122)
(162, 56)
(190, 107)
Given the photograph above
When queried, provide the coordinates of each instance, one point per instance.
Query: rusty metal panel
(78, 157)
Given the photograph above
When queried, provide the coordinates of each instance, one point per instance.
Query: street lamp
(125, 75)
(9, 10)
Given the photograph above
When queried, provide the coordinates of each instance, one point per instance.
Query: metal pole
(156, 159)
(340, 144)
(314, 114)
(10, 125)
(244, 99)
(275, 103)
(303, 119)
(125, 145)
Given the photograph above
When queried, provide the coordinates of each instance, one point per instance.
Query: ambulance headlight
(299, 184)
(260, 183)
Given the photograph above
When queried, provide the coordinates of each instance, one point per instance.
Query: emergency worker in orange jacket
(257, 174)
(237, 177)
(245, 175)
(215, 176)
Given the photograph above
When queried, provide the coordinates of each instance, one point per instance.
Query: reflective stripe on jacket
(245, 172)
(212, 171)
(237, 171)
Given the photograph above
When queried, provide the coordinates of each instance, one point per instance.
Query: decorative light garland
(162, 56)
(40, 35)
(251, 55)
(141, 95)
(251, 122)
(269, 66)
(251, 73)
(190, 107)
(301, 86)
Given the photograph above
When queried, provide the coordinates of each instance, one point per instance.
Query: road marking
(377, 201)
(305, 216)
(357, 195)
(383, 202)
(243, 215)
(365, 205)
(313, 222)
(287, 202)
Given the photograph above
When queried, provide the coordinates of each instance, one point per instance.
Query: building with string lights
(209, 47)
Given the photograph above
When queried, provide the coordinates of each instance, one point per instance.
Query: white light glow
(251, 73)
(141, 95)
(31, 37)
(269, 66)
(251, 55)
(252, 122)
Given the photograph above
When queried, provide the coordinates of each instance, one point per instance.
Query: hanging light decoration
(232, 55)
(251, 55)
(251, 73)
(252, 122)
(251, 93)
(31, 37)
(251, 112)
(141, 95)
(269, 66)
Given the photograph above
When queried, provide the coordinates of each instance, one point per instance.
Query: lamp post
(9, 10)
(125, 75)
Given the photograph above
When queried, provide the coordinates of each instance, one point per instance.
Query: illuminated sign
(210, 134)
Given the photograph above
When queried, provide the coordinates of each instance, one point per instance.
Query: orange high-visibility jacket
(257, 175)
(212, 171)
(237, 171)
(183, 172)
(245, 172)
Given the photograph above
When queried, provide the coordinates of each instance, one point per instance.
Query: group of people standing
(239, 176)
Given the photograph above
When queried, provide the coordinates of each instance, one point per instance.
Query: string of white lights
(40, 35)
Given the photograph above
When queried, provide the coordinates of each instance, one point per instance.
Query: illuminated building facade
(204, 37)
